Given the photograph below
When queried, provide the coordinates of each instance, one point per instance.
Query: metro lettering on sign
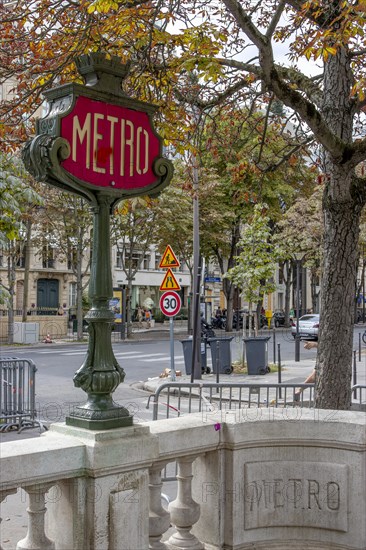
(110, 145)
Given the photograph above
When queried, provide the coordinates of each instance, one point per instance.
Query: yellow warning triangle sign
(169, 259)
(169, 282)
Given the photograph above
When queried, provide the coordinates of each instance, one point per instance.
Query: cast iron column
(100, 374)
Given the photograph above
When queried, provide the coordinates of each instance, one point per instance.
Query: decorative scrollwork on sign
(60, 106)
(163, 167)
(59, 151)
(47, 125)
(35, 156)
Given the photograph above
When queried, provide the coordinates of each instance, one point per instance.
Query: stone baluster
(3, 494)
(36, 537)
(159, 518)
(184, 511)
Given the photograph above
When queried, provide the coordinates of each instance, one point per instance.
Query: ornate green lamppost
(101, 144)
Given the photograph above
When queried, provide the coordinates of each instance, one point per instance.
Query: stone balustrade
(269, 480)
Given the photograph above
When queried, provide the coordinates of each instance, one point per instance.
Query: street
(57, 363)
(56, 394)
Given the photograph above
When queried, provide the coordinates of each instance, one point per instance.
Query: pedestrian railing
(359, 396)
(17, 394)
(176, 398)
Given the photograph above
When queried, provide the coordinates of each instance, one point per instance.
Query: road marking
(144, 356)
(127, 352)
(162, 358)
(74, 353)
(47, 352)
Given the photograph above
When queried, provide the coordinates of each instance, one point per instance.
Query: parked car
(308, 326)
(263, 320)
(278, 318)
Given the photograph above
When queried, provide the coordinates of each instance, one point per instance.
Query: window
(72, 294)
(157, 260)
(125, 259)
(119, 259)
(48, 259)
(21, 261)
(135, 260)
(19, 255)
(281, 274)
(146, 261)
(72, 258)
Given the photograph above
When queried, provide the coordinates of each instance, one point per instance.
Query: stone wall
(261, 479)
(55, 325)
(287, 479)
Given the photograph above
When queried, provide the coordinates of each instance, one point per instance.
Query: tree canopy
(256, 264)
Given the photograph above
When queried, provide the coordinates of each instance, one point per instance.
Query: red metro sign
(95, 139)
(110, 145)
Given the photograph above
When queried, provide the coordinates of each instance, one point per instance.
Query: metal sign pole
(172, 367)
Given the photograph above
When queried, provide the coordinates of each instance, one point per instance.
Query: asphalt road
(57, 363)
(55, 392)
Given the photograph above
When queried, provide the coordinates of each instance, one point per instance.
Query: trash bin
(257, 354)
(222, 348)
(187, 352)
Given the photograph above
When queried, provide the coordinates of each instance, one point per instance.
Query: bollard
(279, 371)
(354, 374)
(217, 365)
(274, 346)
(359, 346)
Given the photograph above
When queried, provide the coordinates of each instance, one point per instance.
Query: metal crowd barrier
(359, 396)
(17, 395)
(181, 398)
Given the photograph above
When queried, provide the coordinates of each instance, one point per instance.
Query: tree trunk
(337, 295)
(228, 289)
(26, 270)
(79, 291)
(342, 205)
(314, 293)
(11, 280)
(129, 306)
(288, 283)
(359, 289)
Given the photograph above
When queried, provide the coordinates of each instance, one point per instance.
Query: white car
(308, 326)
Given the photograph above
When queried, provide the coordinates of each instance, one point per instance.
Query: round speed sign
(170, 303)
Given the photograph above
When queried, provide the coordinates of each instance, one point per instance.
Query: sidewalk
(291, 372)
(14, 524)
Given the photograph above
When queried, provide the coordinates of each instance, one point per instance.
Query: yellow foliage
(102, 6)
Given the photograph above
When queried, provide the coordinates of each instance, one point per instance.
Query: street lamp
(299, 256)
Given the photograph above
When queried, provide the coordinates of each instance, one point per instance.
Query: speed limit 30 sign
(170, 303)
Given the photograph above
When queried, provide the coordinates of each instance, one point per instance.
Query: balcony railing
(261, 481)
(31, 311)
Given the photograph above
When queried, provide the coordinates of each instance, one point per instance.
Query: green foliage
(256, 264)
(159, 316)
(174, 220)
(133, 228)
(301, 230)
(16, 196)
